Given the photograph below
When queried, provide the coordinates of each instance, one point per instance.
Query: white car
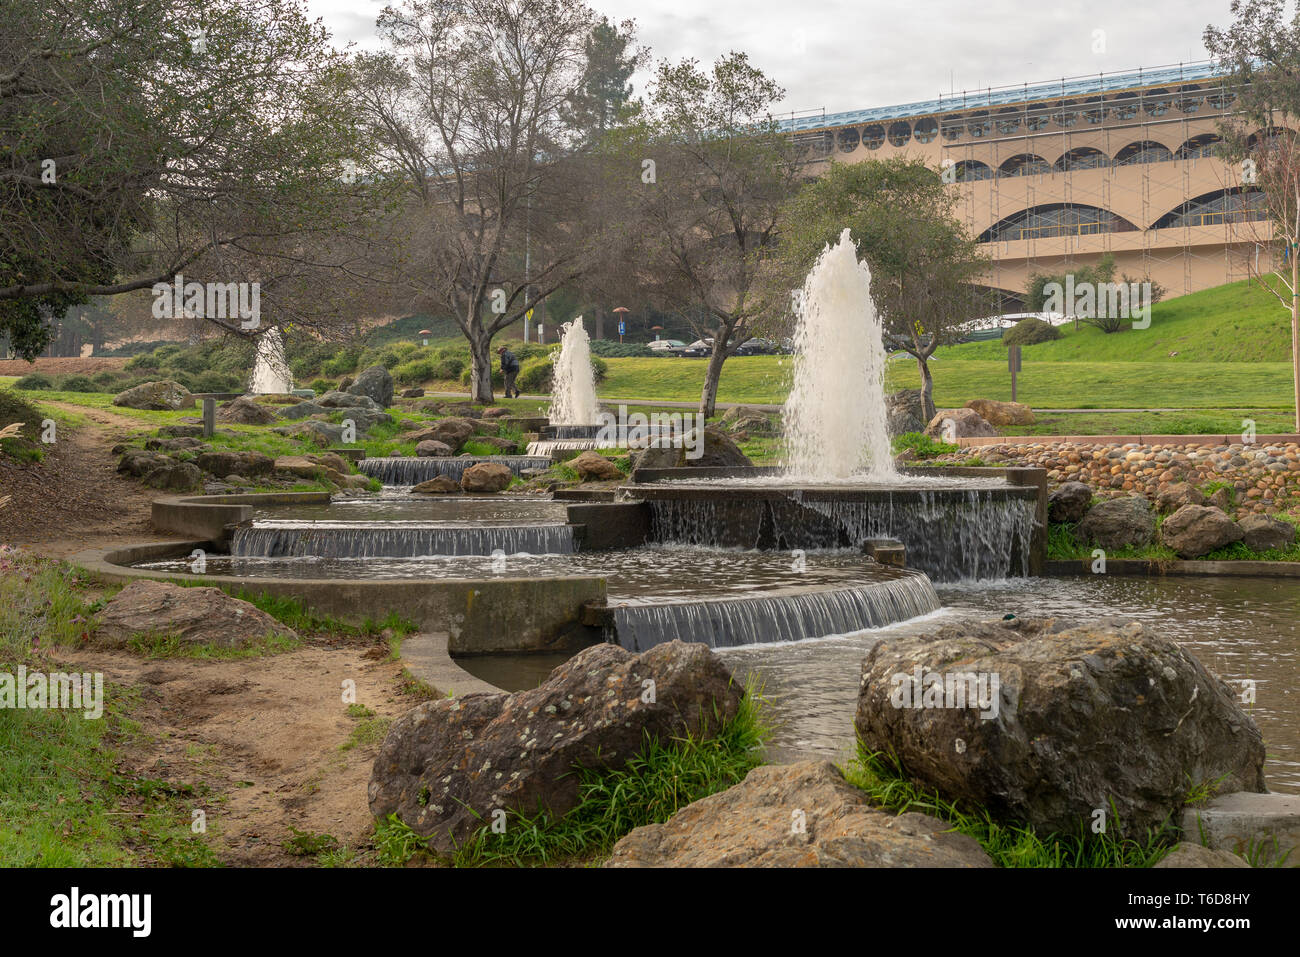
(667, 345)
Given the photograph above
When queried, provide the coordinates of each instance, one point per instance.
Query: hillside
(1239, 322)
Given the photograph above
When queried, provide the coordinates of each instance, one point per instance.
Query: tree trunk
(927, 390)
(480, 356)
(1295, 331)
(709, 395)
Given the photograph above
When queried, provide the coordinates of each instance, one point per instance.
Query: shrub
(345, 363)
(924, 446)
(1031, 331)
(321, 386)
(449, 367)
(216, 382)
(105, 379)
(77, 383)
(622, 350)
(33, 381)
(415, 371)
(25, 447)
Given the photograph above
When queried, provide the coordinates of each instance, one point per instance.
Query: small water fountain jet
(573, 389)
(835, 423)
(271, 373)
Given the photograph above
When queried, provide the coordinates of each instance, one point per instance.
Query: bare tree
(469, 104)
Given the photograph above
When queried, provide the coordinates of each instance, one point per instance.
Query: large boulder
(429, 448)
(742, 418)
(1261, 533)
(173, 476)
(207, 616)
(302, 410)
(796, 815)
(486, 477)
(363, 419)
(1118, 523)
(439, 485)
(1047, 723)
(714, 450)
(1002, 413)
(246, 411)
(346, 400)
(1196, 530)
(448, 764)
(139, 462)
(592, 466)
(375, 383)
(949, 424)
(239, 463)
(1175, 496)
(1195, 855)
(452, 432)
(1069, 503)
(904, 412)
(164, 396)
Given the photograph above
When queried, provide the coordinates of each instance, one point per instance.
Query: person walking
(509, 369)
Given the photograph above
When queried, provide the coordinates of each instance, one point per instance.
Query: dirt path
(75, 498)
(267, 742)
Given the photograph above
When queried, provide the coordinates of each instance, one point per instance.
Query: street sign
(622, 328)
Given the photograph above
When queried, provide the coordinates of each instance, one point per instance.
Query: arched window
(1082, 157)
(1221, 99)
(1145, 151)
(1190, 98)
(1095, 110)
(1055, 219)
(970, 170)
(1156, 102)
(1198, 146)
(1066, 115)
(873, 137)
(1233, 205)
(849, 139)
(1124, 106)
(900, 133)
(1024, 164)
(925, 130)
(1008, 121)
(1038, 120)
(953, 127)
(977, 123)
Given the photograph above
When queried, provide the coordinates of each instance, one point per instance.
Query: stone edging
(1207, 440)
(1161, 567)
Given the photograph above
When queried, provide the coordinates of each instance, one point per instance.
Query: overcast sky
(852, 54)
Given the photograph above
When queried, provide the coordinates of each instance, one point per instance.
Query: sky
(837, 55)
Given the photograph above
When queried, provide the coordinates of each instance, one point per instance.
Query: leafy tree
(925, 265)
(604, 95)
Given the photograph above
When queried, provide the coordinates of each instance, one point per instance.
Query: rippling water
(1239, 627)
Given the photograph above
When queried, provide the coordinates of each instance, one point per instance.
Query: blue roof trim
(977, 99)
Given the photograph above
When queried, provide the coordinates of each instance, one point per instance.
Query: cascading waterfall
(271, 373)
(573, 382)
(834, 418)
(784, 617)
(305, 540)
(950, 534)
(406, 470)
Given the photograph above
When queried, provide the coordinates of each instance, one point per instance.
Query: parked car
(756, 347)
(698, 349)
(673, 346)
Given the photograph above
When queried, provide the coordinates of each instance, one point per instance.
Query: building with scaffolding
(1053, 176)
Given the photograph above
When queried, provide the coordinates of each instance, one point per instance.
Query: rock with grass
(432, 448)
(221, 463)
(138, 462)
(1001, 414)
(302, 410)
(714, 450)
(452, 432)
(496, 412)
(1069, 503)
(172, 476)
(795, 815)
(246, 410)
(949, 424)
(1196, 855)
(376, 384)
(363, 420)
(486, 477)
(346, 400)
(447, 765)
(1196, 530)
(1043, 722)
(412, 393)
(153, 610)
(742, 418)
(591, 466)
(439, 485)
(1118, 523)
(163, 396)
(1262, 533)
(1175, 496)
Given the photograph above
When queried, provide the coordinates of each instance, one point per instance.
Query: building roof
(1005, 95)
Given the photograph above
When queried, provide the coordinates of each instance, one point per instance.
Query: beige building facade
(1053, 176)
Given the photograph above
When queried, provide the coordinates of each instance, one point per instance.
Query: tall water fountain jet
(271, 373)
(835, 423)
(573, 389)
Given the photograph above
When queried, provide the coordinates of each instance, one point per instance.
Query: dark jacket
(508, 362)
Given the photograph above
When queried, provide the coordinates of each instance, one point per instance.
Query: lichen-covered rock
(1118, 523)
(240, 463)
(1196, 530)
(1260, 533)
(447, 765)
(486, 477)
(163, 396)
(1069, 503)
(207, 616)
(1176, 496)
(376, 384)
(949, 424)
(246, 411)
(905, 412)
(1057, 721)
(1002, 413)
(796, 815)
